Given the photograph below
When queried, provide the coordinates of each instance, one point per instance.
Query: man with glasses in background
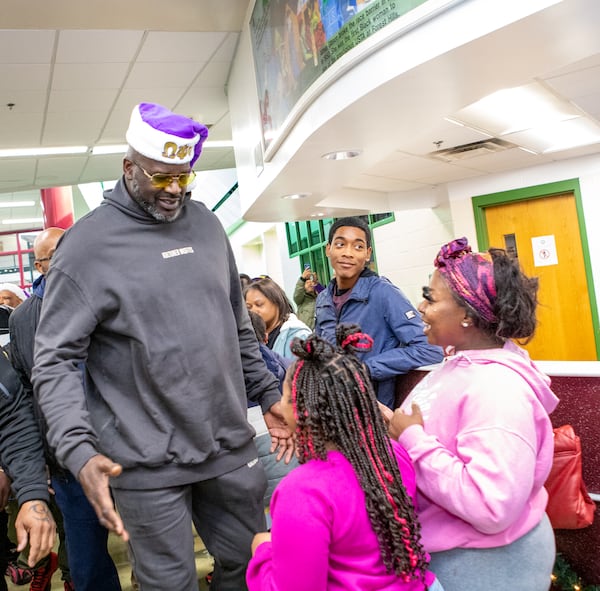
(162, 414)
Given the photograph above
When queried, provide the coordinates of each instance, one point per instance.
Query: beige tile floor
(118, 551)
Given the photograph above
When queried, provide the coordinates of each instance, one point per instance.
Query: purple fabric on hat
(470, 275)
(162, 119)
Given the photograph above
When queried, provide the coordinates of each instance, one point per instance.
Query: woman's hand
(401, 421)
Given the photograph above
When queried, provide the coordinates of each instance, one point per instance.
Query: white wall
(261, 249)
(406, 248)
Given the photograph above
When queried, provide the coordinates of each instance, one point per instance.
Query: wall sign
(544, 251)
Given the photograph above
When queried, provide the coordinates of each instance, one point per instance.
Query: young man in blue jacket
(358, 295)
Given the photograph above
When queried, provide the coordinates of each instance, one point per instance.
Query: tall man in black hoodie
(162, 413)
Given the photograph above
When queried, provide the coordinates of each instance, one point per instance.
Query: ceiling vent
(472, 150)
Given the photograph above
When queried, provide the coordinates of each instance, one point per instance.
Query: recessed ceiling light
(342, 155)
(296, 196)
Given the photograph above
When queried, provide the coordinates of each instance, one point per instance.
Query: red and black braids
(334, 402)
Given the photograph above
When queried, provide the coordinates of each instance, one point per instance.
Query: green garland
(564, 578)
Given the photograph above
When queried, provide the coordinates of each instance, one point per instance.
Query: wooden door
(565, 329)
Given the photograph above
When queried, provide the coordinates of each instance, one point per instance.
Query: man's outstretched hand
(94, 477)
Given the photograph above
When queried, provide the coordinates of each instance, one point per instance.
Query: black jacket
(21, 448)
(23, 324)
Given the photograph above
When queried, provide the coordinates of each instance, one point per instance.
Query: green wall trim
(225, 197)
(235, 227)
(480, 202)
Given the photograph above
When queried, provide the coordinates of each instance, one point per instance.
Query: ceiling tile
(130, 97)
(73, 129)
(82, 100)
(588, 62)
(20, 130)
(167, 74)
(456, 173)
(16, 171)
(204, 104)
(503, 160)
(109, 166)
(89, 76)
(162, 46)
(590, 104)
(23, 77)
(51, 169)
(377, 183)
(91, 47)
(227, 49)
(25, 101)
(116, 126)
(26, 47)
(209, 158)
(577, 84)
(410, 168)
(221, 130)
(213, 74)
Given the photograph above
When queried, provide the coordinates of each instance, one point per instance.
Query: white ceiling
(73, 71)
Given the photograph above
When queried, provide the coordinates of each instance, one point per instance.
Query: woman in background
(267, 299)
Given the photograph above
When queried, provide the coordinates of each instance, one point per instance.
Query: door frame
(480, 202)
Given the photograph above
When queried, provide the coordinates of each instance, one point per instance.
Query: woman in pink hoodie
(477, 429)
(344, 519)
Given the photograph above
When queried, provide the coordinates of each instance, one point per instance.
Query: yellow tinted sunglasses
(160, 180)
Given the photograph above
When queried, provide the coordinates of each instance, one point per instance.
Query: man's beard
(151, 207)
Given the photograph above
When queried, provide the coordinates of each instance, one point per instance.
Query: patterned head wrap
(470, 276)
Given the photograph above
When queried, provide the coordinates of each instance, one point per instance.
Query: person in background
(11, 295)
(245, 280)
(23, 469)
(90, 566)
(344, 519)
(161, 414)
(358, 295)
(267, 299)
(477, 428)
(305, 296)
(276, 464)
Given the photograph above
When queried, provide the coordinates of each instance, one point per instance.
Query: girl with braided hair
(344, 519)
(477, 428)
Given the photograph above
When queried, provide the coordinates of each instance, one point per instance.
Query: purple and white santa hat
(158, 134)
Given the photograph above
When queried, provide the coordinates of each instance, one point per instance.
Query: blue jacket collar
(39, 286)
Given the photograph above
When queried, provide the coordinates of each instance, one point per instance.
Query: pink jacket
(485, 451)
(322, 539)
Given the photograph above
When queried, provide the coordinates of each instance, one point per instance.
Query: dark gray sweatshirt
(155, 312)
